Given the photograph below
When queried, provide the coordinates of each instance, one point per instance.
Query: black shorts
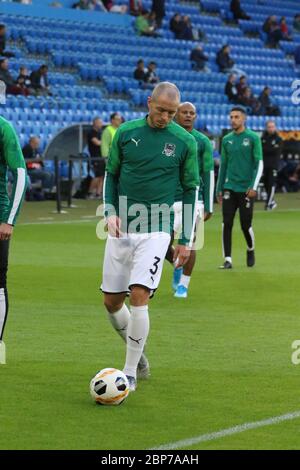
(99, 167)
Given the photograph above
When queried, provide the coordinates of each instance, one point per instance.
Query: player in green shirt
(185, 117)
(240, 172)
(11, 158)
(147, 158)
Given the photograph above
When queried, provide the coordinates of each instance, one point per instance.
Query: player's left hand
(181, 255)
(6, 231)
(251, 193)
(207, 216)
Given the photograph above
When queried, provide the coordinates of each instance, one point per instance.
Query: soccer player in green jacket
(147, 158)
(185, 117)
(11, 158)
(240, 172)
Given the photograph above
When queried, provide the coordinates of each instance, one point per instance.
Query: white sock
(137, 332)
(184, 280)
(2, 353)
(119, 321)
(3, 311)
(228, 258)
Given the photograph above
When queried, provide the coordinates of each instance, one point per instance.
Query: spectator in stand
(109, 132)
(177, 26)
(297, 56)
(242, 85)
(135, 7)
(199, 59)
(23, 79)
(226, 63)
(109, 5)
(12, 87)
(140, 72)
(296, 23)
(81, 5)
(231, 88)
(188, 32)
(35, 168)
(151, 77)
(250, 102)
(285, 30)
(267, 107)
(143, 27)
(94, 145)
(158, 7)
(39, 81)
(273, 31)
(237, 11)
(3, 52)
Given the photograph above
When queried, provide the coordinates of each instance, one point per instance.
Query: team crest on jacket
(169, 150)
(246, 142)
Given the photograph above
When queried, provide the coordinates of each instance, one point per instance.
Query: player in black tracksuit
(272, 145)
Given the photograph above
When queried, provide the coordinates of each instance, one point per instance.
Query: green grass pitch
(220, 358)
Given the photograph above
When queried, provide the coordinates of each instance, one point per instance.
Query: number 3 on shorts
(153, 271)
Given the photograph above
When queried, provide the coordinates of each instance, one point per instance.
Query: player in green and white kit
(11, 158)
(147, 158)
(240, 172)
(185, 117)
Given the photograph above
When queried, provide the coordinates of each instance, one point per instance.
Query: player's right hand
(6, 231)
(220, 198)
(114, 226)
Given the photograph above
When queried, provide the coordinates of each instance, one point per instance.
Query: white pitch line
(57, 222)
(228, 432)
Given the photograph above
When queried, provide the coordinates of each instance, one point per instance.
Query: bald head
(163, 104)
(167, 89)
(186, 115)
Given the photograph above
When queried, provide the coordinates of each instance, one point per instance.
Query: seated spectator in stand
(187, 33)
(140, 72)
(23, 78)
(285, 30)
(94, 145)
(135, 7)
(151, 77)
(250, 102)
(237, 11)
(177, 26)
(3, 52)
(273, 31)
(226, 63)
(35, 168)
(39, 81)
(109, 132)
(109, 5)
(143, 27)
(12, 88)
(158, 7)
(297, 56)
(296, 23)
(81, 5)
(199, 58)
(231, 88)
(267, 107)
(152, 20)
(242, 85)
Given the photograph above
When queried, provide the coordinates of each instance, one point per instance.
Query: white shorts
(134, 259)
(178, 215)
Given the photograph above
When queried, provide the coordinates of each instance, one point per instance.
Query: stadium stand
(91, 63)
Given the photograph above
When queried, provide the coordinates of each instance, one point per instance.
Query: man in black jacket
(3, 51)
(272, 145)
(237, 11)
(39, 81)
(158, 7)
